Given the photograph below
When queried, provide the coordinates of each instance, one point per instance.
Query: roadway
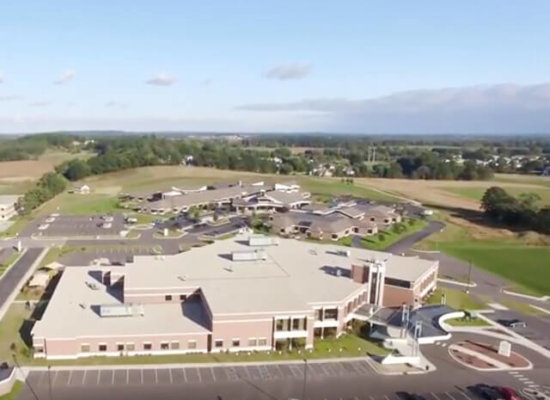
(11, 279)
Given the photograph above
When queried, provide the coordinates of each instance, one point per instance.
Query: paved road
(17, 271)
(403, 245)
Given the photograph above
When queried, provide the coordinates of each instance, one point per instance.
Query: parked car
(486, 392)
(513, 323)
(509, 393)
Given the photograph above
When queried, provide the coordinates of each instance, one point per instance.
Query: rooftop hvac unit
(261, 240)
(344, 253)
(120, 310)
(254, 255)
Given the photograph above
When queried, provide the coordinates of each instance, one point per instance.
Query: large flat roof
(73, 311)
(293, 277)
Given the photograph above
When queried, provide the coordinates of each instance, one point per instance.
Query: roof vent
(344, 253)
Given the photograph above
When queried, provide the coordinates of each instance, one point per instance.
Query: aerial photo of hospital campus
(293, 200)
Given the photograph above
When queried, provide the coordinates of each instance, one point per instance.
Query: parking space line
(70, 376)
(84, 376)
(170, 374)
(450, 395)
(141, 376)
(127, 376)
(156, 376)
(113, 378)
(98, 375)
(434, 395)
(386, 397)
(463, 392)
(54, 377)
(212, 372)
(199, 375)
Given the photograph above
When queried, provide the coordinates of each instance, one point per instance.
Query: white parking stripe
(113, 378)
(141, 376)
(523, 378)
(386, 397)
(170, 373)
(70, 376)
(98, 375)
(156, 376)
(184, 375)
(84, 376)
(127, 376)
(450, 395)
(434, 395)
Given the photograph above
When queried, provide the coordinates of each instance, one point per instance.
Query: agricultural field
(457, 194)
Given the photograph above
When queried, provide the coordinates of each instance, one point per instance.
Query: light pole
(305, 380)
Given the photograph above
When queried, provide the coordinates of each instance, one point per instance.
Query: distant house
(8, 207)
(81, 189)
(290, 186)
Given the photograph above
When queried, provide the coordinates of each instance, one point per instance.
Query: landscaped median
(457, 299)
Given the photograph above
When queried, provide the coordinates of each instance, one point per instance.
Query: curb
(525, 296)
(453, 282)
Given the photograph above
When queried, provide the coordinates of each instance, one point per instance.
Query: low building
(333, 226)
(235, 295)
(8, 206)
(273, 200)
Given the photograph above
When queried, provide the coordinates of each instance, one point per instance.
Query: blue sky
(276, 66)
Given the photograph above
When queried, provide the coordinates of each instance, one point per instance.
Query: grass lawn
(529, 266)
(375, 242)
(17, 387)
(93, 203)
(9, 262)
(466, 322)
(17, 226)
(9, 333)
(456, 299)
(334, 187)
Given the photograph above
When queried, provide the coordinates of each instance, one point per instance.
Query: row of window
(169, 297)
(291, 324)
(252, 342)
(326, 314)
(103, 347)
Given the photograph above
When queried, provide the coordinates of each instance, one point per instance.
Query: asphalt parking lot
(196, 375)
(79, 226)
(537, 328)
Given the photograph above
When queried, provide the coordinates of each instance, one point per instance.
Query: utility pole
(469, 276)
(50, 380)
(26, 380)
(305, 380)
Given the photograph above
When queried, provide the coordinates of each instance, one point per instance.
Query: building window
(252, 342)
(334, 236)
(280, 325)
(236, 342)
(262, 342)
(147, 346)
(192, 344)
(331, 313)
(183, 297)
(175, 345)
(319, 314)
(168, 297)
(120, 347)
(295, 324)
(164, 346)
(218, 343)
(102, 347)
(85, 348)
(130, 347)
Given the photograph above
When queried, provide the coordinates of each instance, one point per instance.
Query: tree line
(31, 146)
(522, 211)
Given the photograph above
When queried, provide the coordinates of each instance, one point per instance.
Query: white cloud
(286, 72)
(115, 104)
(10, 97)
(41, 103)
(505, 108)
(65, 77)
(162, 79)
